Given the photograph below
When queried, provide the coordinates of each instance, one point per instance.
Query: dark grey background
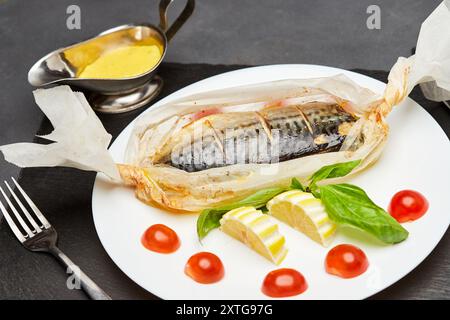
(326, 32)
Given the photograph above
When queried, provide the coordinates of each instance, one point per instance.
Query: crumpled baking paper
(79, 138)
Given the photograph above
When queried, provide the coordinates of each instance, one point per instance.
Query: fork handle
(88, 285)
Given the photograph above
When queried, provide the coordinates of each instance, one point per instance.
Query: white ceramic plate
(417, 156)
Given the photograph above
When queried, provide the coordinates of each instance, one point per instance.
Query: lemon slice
(257, 230)
(302, 211)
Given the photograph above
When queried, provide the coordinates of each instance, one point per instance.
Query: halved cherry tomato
(408, 205)
(205, 267)
(284, 283)
(160, 238)
(346, 261)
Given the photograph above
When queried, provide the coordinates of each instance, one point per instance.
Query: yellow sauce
(123, 62)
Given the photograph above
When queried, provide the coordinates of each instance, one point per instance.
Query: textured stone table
(332, 33)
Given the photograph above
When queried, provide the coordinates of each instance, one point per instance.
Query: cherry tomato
(205, 267)
(408, 205)
(160, 238)
(346, 261)
(284, 283)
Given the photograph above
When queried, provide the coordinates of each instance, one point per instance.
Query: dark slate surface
(230, 32)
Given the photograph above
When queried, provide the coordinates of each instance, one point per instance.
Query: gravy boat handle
(178, 23)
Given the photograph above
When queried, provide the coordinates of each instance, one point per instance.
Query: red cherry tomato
(408, 205)
(205, 267)
(160, 238)
(284, 283)
(346, 261)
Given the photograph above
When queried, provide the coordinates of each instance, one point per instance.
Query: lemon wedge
(256, 230)
(302, 211)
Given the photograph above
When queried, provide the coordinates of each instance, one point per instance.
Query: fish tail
(146, 188)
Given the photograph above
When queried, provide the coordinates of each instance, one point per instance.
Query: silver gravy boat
(111, 95)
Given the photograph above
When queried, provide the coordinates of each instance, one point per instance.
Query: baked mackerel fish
(217, 147)
(272, 135)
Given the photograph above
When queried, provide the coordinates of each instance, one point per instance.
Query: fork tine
(30, 202)
(11, 223)
(18, 217)
(24, 210)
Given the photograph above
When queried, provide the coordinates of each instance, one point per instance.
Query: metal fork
(41, 236)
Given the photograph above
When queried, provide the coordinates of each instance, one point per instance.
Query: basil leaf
(350, 205)
(209, 219)
(295, 184)
(315, 190)
(333, 171)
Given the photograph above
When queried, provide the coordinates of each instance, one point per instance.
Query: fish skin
(272, 135)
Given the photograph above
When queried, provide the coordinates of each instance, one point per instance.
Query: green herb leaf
(333, 171)
(295, 184)
(315, 190)
(350, 205)
(209, 219)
